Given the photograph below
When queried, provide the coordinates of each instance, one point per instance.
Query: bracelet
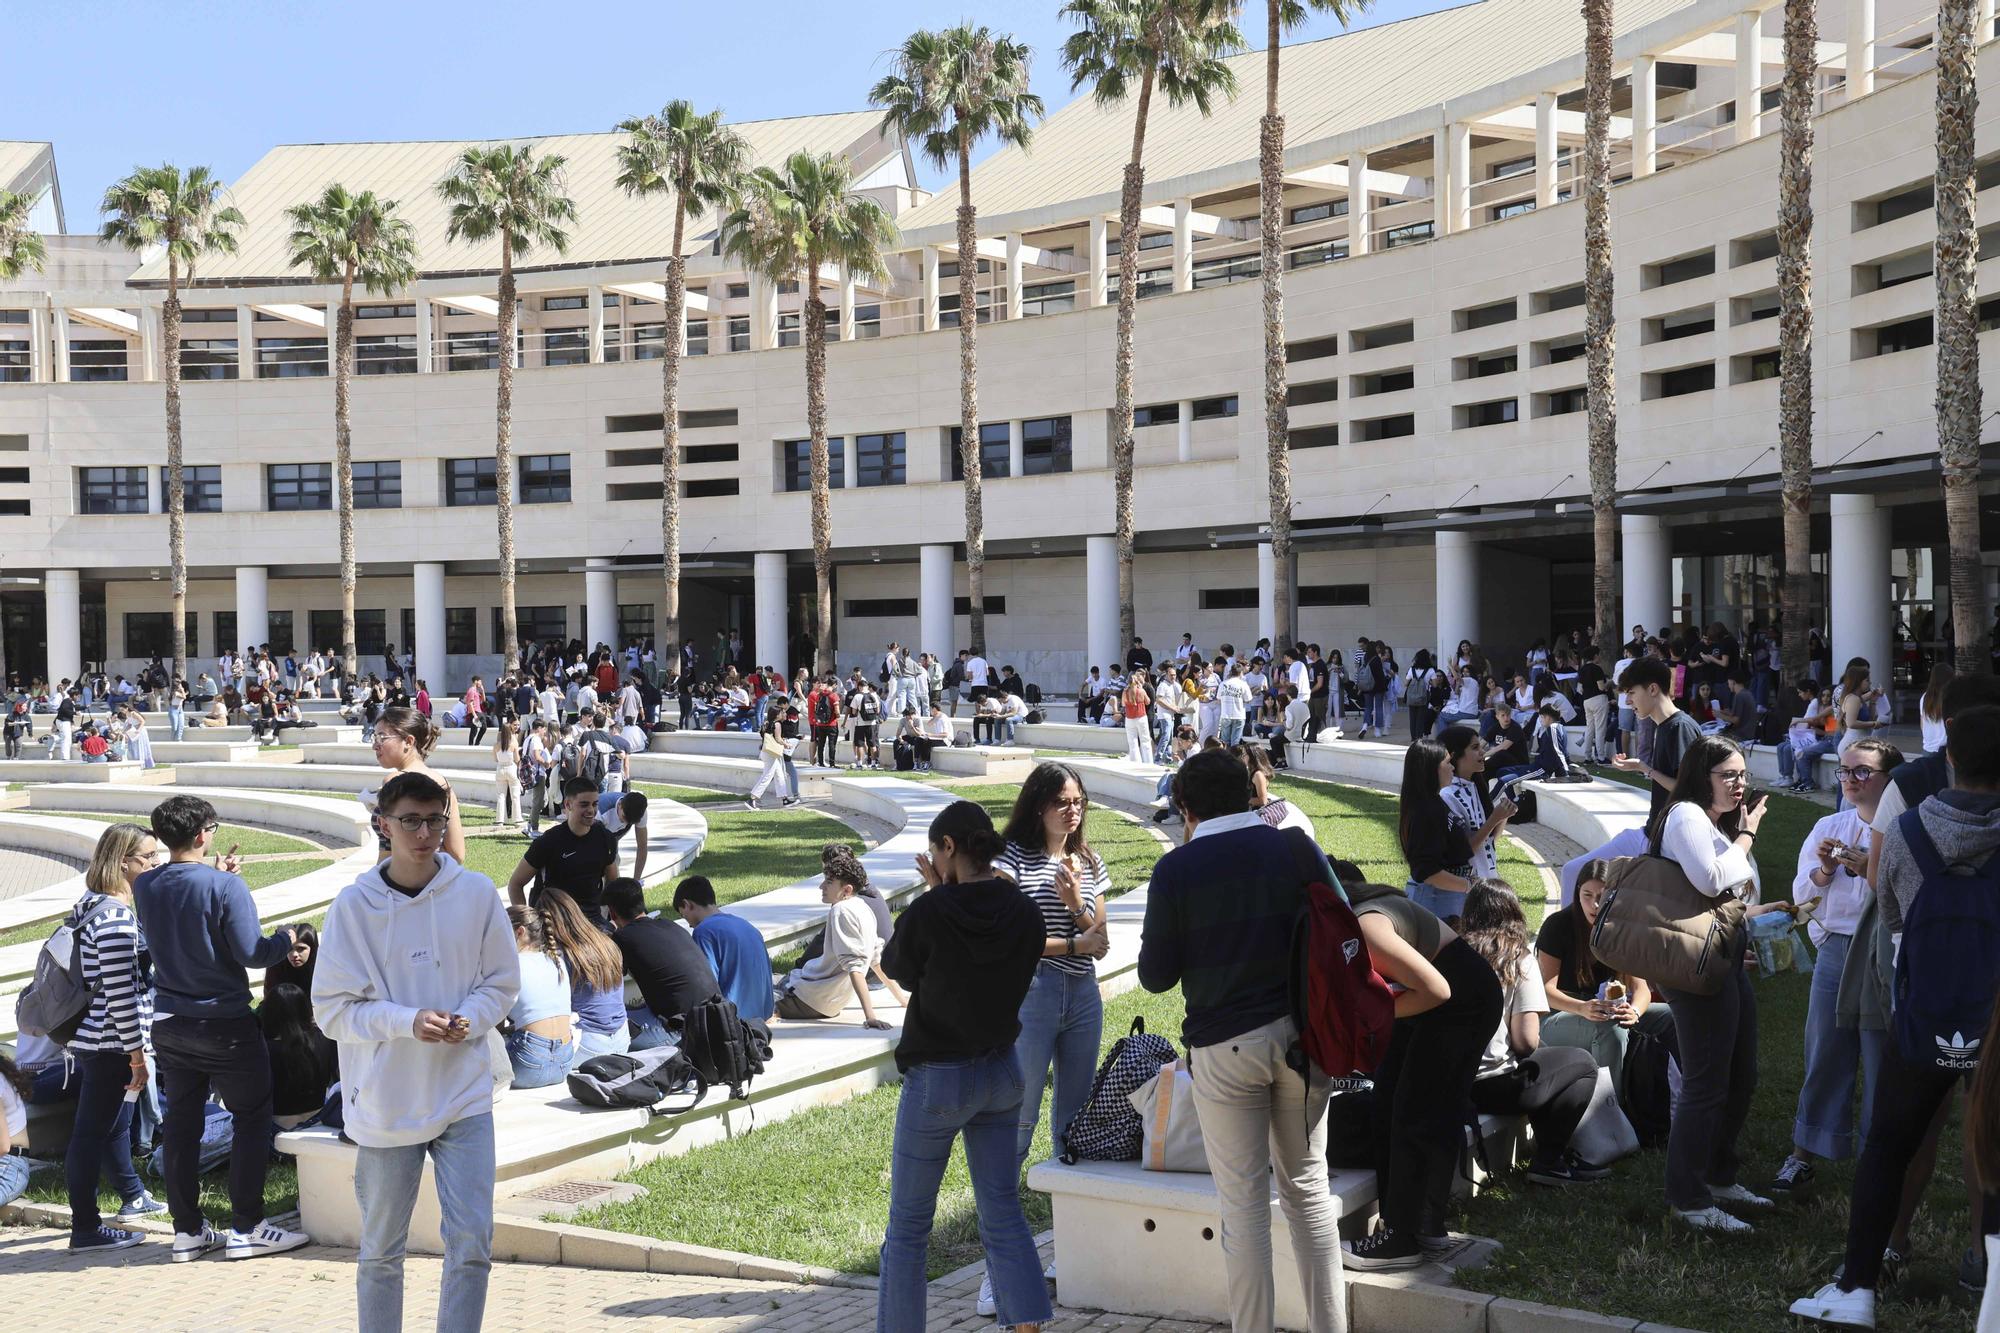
(1069, 946)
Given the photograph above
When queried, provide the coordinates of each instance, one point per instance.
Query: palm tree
(949, 90)
(792, 223)
(505, 190)
(1177, 47)
(188, 216)
(1957, 265)
(344, 237)
(21, 247)
(1600, 330)
(1795, 319)
(698, 162)
(1279, 17)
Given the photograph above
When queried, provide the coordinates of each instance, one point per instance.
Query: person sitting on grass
(741, 960)
(663, 960)
(96, 749)
(818, 988)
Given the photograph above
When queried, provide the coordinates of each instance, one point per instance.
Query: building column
(1183, 245)
(1093, 262)
(1360, 222)
(152, 337)
(1100, 600)
(39, 361)
(936, 617)
(62, 346)
(1860, 59)
(1016, 450)
(1749, 75)
(424, 312)
(930, 274)
(1646, 562)
(1457, 589)
(1645, 136)
(772, 645)
(600, 604)
(253, 607)
(1268, 575)
(1545, 149)
(1441, 181)
(427, 608)
(1858, 583)
(850, 462)
(764, 314)
(246, 343)
(846, 304)
(596, 304)
(1184, 418)
(1014, 283)
(62, 593)
(1458, 208)
(1982, 25)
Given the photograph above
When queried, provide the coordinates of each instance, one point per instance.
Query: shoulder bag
(1655, 924)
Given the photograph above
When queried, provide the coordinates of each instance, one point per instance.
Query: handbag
(1169, 1128)
(1604, 1135)
(1655, 924)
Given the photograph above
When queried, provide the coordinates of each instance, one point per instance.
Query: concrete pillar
(1860, 48)
(1184, 416)
(424, 335)
(772, 644)
(39, 361)
(1457, 589)
(596, 304)
(1183, 245)
(1458, 208)
(1100, 600)
(152, 336)
(1016, 451)
(1645, 136)
(600, 604)
(427, 606)
(246, 344)
(1360, 223)
(1440, 181)
(1982, 25)
(850, 462)
(764, 314)
(1545, 149)
(1092, 277)
(253, 607)
(1646, 562)
(846, 304)
(936, 619)
(1858, 583)
(1749, 75)
(62, 346)
(62, 592)
(930, 266)
(1013, 275)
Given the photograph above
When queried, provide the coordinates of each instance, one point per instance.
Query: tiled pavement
(24, 872)
(313, 1289)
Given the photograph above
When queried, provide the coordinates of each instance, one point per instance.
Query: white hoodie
(384, 956)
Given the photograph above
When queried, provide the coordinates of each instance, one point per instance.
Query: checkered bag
(1107, 1129)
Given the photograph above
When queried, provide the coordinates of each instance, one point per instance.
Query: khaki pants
(1261, 1124)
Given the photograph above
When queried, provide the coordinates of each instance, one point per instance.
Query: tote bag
(1655, 924)
(1170, 1131)
(1604, 1135)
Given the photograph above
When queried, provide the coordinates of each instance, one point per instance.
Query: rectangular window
(472, 351)
(385, 354)
(1562, 402)
(225, 632)
(1406, 235)
(97, 360)
(879, 459)
(290, 358)
(576, 302)
(399, 310)
(1214, 409)
(1684, 269)
(1686, 380)
(279, 627)
(1681, 324)
(1561, 298)
(1313, 349)
(533, 624)
(324, 627)
(1221, 272)
(208, 358)
(1903, 336)
(995, 606)
(738, 290)
(1572, 350)
(859, 607)
(1384, 335)
(795, 463)
(16, 361)
(1155, 241)
(1325, 252)
(371, 631)
(545, 479)
(788, 327)
(1756, 366)
(649, 341)
(111, 490)
(209, 315)
(993, 451)
(201, 489)
(290, 486)
(1046, 298)
(1336, 208)
(1226, 599)
(739, 331)
(1495, 413)
(1333, 594)
(565, 347)
(1045, 446)
(469, 481)
(1486, 316)
(461, 630)
(1499, 363)
(1388, 381)
(1305, 395)
(408, 638)
(697, 336)
(151, 634)
(635, 623)
(1385, 428)
(867, 321)
(704, 487)
(1313, 437)
(1155, 414)
(378, 485)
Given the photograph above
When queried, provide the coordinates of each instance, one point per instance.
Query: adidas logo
(1959, 1052)
(1349, 949)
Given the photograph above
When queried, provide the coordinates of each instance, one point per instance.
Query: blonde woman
(404, 739)
(507, 776)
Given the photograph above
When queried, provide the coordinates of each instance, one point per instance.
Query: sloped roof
(1330, 86)
(18, 161)
(611, 225)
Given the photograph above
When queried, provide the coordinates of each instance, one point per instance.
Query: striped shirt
(116, 967)
(1035, 872)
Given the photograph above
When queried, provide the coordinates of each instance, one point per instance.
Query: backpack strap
(1922, 850)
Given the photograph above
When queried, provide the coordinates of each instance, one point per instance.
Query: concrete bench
(55, 770)
(205, 751)
(1071, 736)
(727, 744)
(339, 780)
(984, 761)
(1120, 779)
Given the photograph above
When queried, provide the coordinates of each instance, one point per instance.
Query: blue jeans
(177, 720)
(1441, 903)
(102, 1137)
(13, 1178)
(590, 1043)
(979, 1098)
(1824, 1126)
(1448, 718)
(539, 1061)
(1375, 711)
(385, 1184)
(1805, 762)
(1062, 1021)
(1231, 730)
(647, 1031)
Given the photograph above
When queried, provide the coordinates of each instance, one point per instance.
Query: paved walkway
(24, 872)
(314, 1289)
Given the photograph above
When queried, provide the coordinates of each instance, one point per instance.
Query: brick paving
(313, 1289)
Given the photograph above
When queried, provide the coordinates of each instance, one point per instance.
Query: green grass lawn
(248, 841)
(257, 874)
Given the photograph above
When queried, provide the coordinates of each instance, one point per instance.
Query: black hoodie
(968, 953)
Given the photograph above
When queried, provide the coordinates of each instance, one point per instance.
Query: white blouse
(1714, 864)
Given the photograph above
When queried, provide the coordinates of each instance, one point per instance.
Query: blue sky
(114, 85)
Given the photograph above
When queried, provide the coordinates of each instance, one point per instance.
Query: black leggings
(1552, 1086)
(1423, 1094)
(1718, 1058)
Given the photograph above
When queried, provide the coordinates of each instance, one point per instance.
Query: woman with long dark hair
(1417, 693)
(1438, 849)
(296, 967)
(303, 1060)
(1587, 1012)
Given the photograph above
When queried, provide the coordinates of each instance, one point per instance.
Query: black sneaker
(1794, 1178)
(1567, 1170)
(1971, 1269)
(1381, 1252)
(107, 1238)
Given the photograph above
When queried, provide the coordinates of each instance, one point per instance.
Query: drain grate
(570, 1193)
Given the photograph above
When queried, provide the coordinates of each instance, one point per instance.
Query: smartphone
(1752, 801)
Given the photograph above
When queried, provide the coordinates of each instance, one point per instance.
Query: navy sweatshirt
(201, 926)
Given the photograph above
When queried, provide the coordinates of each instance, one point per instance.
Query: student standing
(1138, 726)
(1648, 684)
(419, 964)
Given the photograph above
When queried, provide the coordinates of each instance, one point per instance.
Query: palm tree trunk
(503, 458)
(667, 645)
(343, 468)
(814, 319)
(1121, 416)
(1600, 338)
(1795, 322)
(1277, 414)
(1958, 401)
(176, 499)
(968, 408)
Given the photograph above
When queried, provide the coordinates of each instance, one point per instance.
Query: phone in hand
(1752, 801)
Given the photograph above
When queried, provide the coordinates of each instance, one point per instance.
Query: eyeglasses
(210, 828)
(1856, 774)
(1734, 778)
(413, 823)
(1068, 803)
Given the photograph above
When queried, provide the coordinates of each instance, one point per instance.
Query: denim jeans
(1230, 730)
(227, 1056)
(1062, 1021)
(385, 1184)
(177, 721)
(1375, 711)
(539, 1061)
(1824, 1126)
(647, 1031)
(590, 1043)
(1449, 718)
(1805, 762)
(102, 1137)
(1441, 903)
(13, 1178)
(981, 1099)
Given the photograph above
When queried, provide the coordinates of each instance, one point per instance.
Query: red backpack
(1345, 1012)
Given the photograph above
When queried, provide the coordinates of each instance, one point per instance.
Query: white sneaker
(1831, 1305)
(984, 1306)
(1712, 1218)
(1049, 1273)
(267, 1238)
(190, 1247)
(1739, 1196)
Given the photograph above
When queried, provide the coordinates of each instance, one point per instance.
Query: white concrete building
(1435, 321)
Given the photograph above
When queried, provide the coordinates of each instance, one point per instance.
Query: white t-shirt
(976, 670)
(1526, 996)
(14, 1109)
(1234, 696)
(1933, 733)
(1299, 679)
(853, 943)
(1466, 700)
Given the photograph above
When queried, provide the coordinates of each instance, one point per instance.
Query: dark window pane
(469, 481)
(378, 485)
(291, 486)
(111, 490)
(795, 457)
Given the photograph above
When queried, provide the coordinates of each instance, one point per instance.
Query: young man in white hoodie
(417, 964)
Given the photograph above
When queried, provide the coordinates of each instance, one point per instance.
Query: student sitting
(741, 960)
(986, 720)
(541, 1038)
(596, 976)
(663, 960)
(1588, 1013)
(303, 1060)
(96, 749)
(819, 987)
(1508, 752)
(14, 1089)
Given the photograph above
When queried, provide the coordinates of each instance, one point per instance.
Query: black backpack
(1033, 694)
(823, 711)
(726, 1049)
(638, 1079)
(1647, 1098)
(906, 754)
(592, 761)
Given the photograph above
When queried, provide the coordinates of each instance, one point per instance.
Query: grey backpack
(638, 1080)
(56, 1002)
